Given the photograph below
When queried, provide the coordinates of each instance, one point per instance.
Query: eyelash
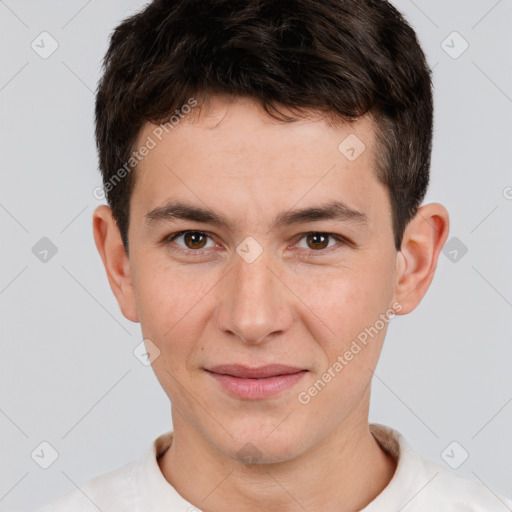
(170, 238)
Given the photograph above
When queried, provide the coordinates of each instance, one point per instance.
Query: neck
(343, 472)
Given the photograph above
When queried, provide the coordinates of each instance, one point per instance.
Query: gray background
(67, 372)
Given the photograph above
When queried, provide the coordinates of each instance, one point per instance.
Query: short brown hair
(345, 58)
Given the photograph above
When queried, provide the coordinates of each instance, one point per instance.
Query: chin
(263, 445)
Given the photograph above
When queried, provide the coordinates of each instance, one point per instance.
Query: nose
(254, 302)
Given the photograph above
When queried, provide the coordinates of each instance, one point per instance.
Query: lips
(261, 383)
(262, 372)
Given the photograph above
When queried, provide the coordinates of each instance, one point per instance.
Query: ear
(422, 242)
(110, 246)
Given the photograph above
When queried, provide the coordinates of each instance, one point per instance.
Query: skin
(301, 302)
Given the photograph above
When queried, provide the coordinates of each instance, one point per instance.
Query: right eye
(193, 240)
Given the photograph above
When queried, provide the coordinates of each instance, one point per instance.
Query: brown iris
(194, 240)
(319, 241)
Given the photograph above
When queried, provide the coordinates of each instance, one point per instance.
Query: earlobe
(112, 252)
(417, 259)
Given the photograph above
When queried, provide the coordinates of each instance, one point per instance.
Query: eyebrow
(335, 210)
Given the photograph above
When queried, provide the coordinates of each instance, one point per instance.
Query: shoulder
(451, 492)
(102, 492)
(420, 484)
(136, 486)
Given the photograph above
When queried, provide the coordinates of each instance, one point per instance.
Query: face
(257, 283)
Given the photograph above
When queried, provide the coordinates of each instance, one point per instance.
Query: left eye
(319, 241)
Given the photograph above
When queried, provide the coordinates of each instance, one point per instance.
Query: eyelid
(171, 237)
(339, 238)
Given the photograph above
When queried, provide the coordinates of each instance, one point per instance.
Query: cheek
(348, 300)
(167, 295)
(351, 307)
(171, 304)
(165, 301)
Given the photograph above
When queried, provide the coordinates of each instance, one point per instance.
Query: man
(265, 162)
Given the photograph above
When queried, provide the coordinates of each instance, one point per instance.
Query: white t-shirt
(418, 485)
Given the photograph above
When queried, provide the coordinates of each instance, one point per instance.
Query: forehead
(231, 151)
(244, 121)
